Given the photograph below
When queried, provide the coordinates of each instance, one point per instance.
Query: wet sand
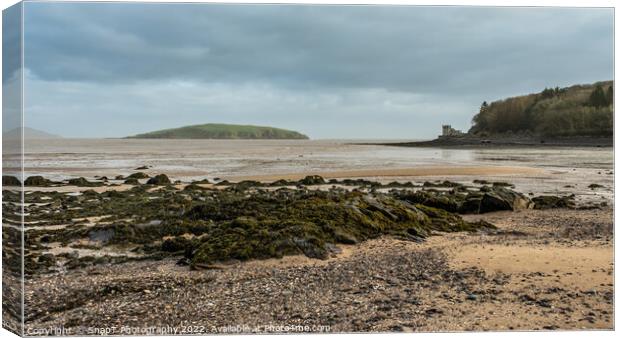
(402, 173)
(196, 159)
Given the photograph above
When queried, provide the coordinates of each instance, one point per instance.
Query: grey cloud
(381, 71)
(421, 49)
(147, 106)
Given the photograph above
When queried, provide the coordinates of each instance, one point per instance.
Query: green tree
(598, 98)
(610, 95)
(547, 93)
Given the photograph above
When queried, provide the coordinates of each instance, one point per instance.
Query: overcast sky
(113, 69)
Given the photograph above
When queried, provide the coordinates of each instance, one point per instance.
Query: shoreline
(475, 142)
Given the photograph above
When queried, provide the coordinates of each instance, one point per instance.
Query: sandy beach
(519, 277)
(537, 270)
(382, 174)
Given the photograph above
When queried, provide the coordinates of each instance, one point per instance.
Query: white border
(506, 3)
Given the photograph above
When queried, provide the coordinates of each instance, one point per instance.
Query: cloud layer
(328, 71)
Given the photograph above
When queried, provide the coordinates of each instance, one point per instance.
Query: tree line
(582, 110)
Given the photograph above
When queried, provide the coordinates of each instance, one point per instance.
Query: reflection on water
(60, 158)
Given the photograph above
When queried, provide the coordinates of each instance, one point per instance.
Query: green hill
(222, 131)
(580, 110)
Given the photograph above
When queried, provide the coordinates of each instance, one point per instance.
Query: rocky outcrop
(553, 202)
(138, 175)
(160, 179)
(37, 181)
(8, 180)
(462, 200)
(82, 182)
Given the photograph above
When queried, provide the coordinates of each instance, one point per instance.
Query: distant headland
(28, 134)
(223, 131)
(580, 115)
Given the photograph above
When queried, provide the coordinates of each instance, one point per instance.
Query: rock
(553, 202)
(82, 182)
(203, 181)
(8, 180)
(344, 237)
(312, 180)
(544, 303)
(47, 259)
(595, 186)
(160, 179)
(184, 261)
(472, 297)
(445, 202)
(281, 183)
(139, 175)
(176, 244)
(503, 184)
(132, 181)
(39, 181)
(444, 184)
(494, 199)
(264, 224)
(144, 167)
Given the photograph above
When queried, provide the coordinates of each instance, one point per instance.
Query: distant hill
(580, 110)
(222, 131)
(29, 134)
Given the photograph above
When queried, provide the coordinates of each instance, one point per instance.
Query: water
(191, 159)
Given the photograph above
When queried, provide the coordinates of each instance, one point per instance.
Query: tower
(445, 130)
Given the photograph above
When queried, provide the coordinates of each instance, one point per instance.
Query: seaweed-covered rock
(553, 202)
(202, 181)
(312, 180)
(178, 243)
(441, 201)
(281, 183)
(132, 181)
(160, 179)
(395, 184)
(193, 186)
(8, 180)
(503, 184)
(595, 186)
(37, 181)
(82, 182)
(494, 198)
(309, 222)
(243, 185)
(139, 175)
(444, 184)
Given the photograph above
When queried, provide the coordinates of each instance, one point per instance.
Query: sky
(392, 72)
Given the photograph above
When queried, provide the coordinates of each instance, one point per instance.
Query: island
(222, 131)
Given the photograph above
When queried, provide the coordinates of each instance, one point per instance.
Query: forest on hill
(580, 110)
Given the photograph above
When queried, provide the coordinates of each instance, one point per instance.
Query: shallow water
(191, 159)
